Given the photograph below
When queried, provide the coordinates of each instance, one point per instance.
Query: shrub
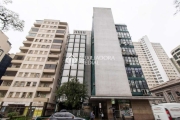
(11, 114)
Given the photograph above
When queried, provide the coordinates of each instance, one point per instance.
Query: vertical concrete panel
(109, 111)
(142, 110)
(110, 75)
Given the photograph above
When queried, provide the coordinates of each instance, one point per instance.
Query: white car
(166, 111)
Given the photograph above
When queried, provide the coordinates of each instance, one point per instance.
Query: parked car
(166, 111)
(64, 116)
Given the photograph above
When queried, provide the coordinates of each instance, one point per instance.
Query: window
(22, 84)
(37, 75)
(60, 31)
(26, 74)
(32, 75)
(170, 96)
(34, 29)
(17, 95)
(34, 84)
(40, 66)
(57, 41)
(30, 52)
(56, 46)
(35, 52)
(28, 84)
(24, 66)
(23, 95)
(29, 66)
(16, 84)
(30, 95)
(177, 93)
(20, 74)
(10, 94)
(35, 67)
(50, 66)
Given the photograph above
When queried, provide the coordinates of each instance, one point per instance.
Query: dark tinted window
(50, 66)
(34, 29)
(56, 46)
(57, 41)
(60, 31)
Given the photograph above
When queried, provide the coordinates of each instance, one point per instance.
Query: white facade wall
(155, 63)
(110, 75)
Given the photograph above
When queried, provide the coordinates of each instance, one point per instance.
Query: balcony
(52, 62)
(12, 69)
(40, 99)
(59, 36)
(55, 50)
(17, 61)
(7, 78)
(47, 80)
(53, 56)
(38, 23)
(49, 70)
(4, 87)
(24, 48)
(44, 89)
(21, 53)
(31, 36)
(62, 27)
(27, 42)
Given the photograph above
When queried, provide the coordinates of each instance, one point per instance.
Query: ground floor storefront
(125, 109)
(30, 109)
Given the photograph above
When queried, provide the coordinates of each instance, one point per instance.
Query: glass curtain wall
(134, 72)
(74, 61)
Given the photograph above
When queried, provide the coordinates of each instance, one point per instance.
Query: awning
(126, 97)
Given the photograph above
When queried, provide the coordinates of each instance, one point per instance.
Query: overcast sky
(154, 18)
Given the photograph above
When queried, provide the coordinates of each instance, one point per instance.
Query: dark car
(64, 116)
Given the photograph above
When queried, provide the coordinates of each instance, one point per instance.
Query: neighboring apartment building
(5, 59)
(117, 80)
(30, 83)
(156, 65)
(169, 90)
(176, 57)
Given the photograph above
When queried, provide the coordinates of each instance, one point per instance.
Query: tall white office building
(156, 65)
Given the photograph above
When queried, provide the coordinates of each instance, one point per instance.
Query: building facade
(156, 65)
(5, 59)
(5, 45)
(176, 55)
(170, 91)
(117, 81)
(30, 83)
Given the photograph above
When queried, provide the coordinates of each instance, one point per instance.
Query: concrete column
(109, 111)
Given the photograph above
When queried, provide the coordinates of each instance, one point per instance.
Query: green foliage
(9, 19)
(75, 93)
(177, 6)
(11, 114)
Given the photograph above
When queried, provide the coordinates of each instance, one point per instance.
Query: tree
(177, 6)
(9, 19)
(75, 93)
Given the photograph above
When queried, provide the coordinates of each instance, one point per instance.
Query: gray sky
(153, 18)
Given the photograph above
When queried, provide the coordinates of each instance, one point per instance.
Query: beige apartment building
(29, 85)
(157, 66)
(5, 45)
